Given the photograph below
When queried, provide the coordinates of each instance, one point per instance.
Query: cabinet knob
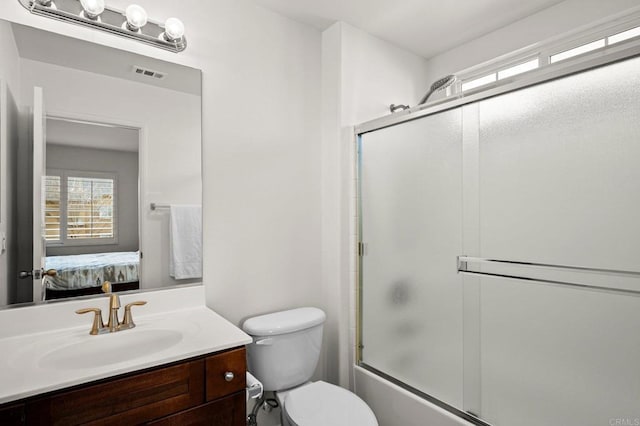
(228, 376)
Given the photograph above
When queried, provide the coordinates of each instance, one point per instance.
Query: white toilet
(283, 356)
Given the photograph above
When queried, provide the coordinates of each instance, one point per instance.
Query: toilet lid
(322, 404)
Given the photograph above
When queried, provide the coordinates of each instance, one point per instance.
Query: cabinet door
(226, 373)
(12, 415)
(130, 400)
(228, 411)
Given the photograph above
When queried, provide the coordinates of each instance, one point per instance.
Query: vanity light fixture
(92, 9)
(136, 18)
(173, 30)
(133, 23)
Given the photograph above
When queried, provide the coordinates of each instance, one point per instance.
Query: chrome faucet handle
(98, 326)
(127, 321)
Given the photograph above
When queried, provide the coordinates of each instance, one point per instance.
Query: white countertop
(194, 330)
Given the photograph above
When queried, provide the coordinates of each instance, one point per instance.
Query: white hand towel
(185, 242)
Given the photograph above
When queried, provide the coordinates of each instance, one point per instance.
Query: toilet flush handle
(266, 341)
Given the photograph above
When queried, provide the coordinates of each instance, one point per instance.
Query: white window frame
(74, 242)
(546, 49)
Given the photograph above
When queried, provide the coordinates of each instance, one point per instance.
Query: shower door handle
(463, 267)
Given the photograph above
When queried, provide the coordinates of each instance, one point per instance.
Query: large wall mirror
(100, 169)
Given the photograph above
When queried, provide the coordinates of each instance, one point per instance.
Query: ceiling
(425, 27)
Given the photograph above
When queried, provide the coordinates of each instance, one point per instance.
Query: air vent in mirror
(148, 73)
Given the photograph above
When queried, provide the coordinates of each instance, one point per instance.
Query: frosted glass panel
(559, 170)
(557, 356)
(411, 198)
(559, 184)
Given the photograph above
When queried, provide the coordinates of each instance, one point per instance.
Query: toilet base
(321, 403)
(281, 396)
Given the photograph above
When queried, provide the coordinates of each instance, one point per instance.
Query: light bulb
(136, 17)
(92, 8)
(173, 29)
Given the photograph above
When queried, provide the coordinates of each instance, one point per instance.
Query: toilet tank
(286, 346)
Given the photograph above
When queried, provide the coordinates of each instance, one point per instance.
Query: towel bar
(155, 206)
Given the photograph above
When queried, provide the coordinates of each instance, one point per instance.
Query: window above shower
(568, 48)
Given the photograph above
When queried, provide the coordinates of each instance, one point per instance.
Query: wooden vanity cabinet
(12, 414)
(207, 390)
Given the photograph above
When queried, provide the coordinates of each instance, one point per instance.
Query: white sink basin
(111, 348)
(48, 347)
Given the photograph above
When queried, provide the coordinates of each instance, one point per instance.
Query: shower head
(441, 84)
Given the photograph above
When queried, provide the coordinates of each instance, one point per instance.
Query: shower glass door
(559, 184)
(411, 213)
(547, 175)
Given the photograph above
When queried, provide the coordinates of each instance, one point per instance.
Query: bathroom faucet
(114, 324)
(114, 305)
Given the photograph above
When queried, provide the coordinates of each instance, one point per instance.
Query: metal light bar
(111, 20)
(463, 262)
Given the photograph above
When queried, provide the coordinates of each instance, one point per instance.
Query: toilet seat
(321, 404)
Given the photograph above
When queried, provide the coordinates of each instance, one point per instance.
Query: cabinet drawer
(228, 411)
(130, 400)
(218, 366)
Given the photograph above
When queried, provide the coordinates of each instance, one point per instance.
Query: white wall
(124, 165)
(171, 156)
(261, 147)
(563, 17)
(375, 74)
(9, 88)
(361, 76)
(261, 164)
